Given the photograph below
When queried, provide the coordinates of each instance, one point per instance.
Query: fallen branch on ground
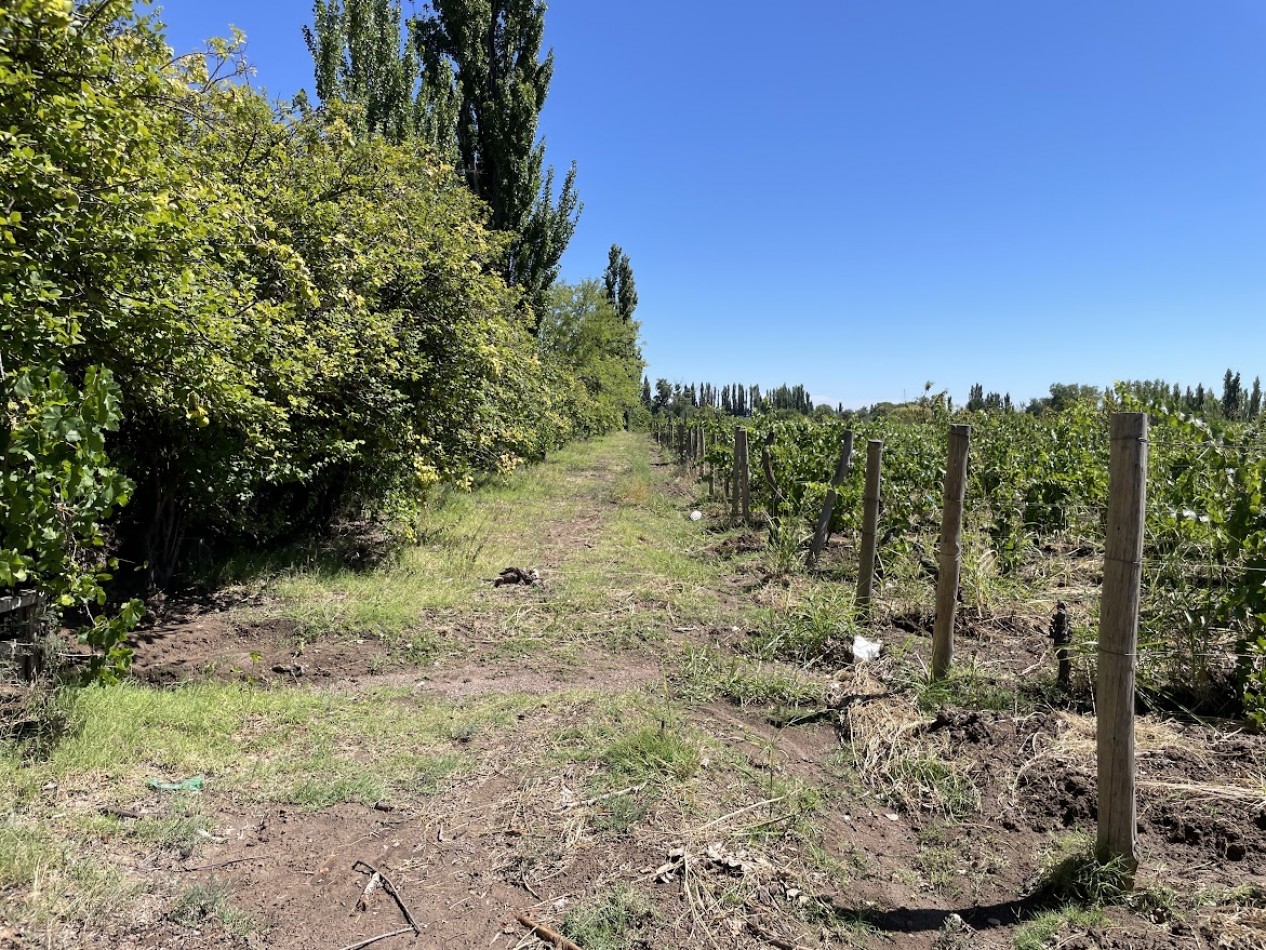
(223, 864)
(390, 889)
(541, 930)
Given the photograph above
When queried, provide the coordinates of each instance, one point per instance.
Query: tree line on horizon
(732, 399)
(232, 321)
(1235, 402)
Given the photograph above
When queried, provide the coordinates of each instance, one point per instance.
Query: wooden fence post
(870, 523)
(951, 561)
(1118, 640)
(828, 505)
(20, 618)
(742, 476)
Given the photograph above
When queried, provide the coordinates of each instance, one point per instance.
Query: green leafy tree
(365, 54)
(73, 228)
(663, 398)
(582, 333)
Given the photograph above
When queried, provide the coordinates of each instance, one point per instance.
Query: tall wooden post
(742, 476)
(870, 523)
(1118, 639)
(828, 505)
(951, 551)
(681, 441)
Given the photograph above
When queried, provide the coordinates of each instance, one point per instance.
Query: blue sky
(863, 195)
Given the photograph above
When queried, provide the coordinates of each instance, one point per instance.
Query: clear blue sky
(861, 195)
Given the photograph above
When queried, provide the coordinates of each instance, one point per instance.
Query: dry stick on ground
(366, 943)
(541, 930)
(390, 889)
(222, 864)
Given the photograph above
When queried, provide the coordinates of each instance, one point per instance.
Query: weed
(818, 627)
(59, 884)
(966, 686)
(707, 673)
(940, 865)
(1072, 873)
(1042, 931)
(609, 921)
(200, 905)
(920, 781)
(180, 833)
(652, 753)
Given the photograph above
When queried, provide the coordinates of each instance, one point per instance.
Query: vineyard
(1035, 485)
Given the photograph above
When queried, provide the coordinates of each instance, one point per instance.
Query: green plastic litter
(188, 785)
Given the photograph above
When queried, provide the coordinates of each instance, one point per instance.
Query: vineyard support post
(681, 441)
(870, 523)
(742, 477)
(1118, 640)
(828, 505)
(951, 560)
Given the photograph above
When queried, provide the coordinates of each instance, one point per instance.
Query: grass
(294, 746)
(640, 751)
(1044, 930)
(612, 545)
(47, 880)
(818, 626)
(465, 539)
(918, 781)
(608, 921)
(1071, 873)
(200, 905)
(707, 673)
(969, 687)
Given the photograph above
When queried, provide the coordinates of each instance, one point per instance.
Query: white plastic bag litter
(864, 649)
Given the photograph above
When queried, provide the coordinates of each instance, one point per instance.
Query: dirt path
(608, 753)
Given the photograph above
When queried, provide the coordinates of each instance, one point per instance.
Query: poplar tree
(499, 82)
(617, 279)
(359, 56)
